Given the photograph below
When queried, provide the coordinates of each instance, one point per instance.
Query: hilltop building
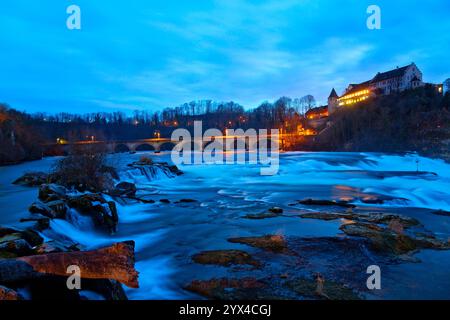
(446, 86)
(384, 83)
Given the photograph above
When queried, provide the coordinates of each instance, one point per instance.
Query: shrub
(84, 169)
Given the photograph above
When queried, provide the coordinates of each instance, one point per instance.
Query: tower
(446, 86)
(332, 101)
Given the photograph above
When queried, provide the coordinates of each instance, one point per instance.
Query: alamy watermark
(74, 280)
(374, 280)
(374, 20)
(235, 147)
(73, 22)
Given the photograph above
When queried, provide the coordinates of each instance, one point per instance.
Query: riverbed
(167, 235)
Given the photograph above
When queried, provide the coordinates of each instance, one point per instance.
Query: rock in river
(273, 243)
(312, 202)
(103, 213)
(124, 189)
(389, 241)
(228, 289)
(225, 258)
(320, 288)
(32, 179)
(377, 218)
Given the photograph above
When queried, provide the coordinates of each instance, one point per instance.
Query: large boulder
(225, 258)
(56, 209)
(16, 243)
(391, 241)
(7, 294)
(373, 217)
(272, 243)
(32, 179)
(52, 192)
(315, 202)
(124, 189)
(230, 289)
(103, 213)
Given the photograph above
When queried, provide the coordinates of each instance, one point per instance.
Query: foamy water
(168, 235)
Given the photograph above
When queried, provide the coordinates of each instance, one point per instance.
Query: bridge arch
(121, 148)
(145, 147)
(167, 146)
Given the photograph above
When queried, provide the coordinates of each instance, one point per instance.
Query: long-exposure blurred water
(167, 235)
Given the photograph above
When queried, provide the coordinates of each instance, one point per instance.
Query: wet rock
(372, 200)
(276, 210)
(379, 199)
(187, 201)
(14, 243)
(229, 289)
(312, 202)
(59, 207)
(6, 231)
(320, 288)
(109, 289)
(442, 213)
(32, 179)
(272, 243)
(49, 247)
(225, 258)
(56, 209)
(382, 239)
(15, 247)
(126, 189)
(43, 209)
(377, 218)
(389, 241)
(7, 294)
(32, 237)
(143, 200)
(42, 223)
(110, 171)
(327, 216)
(103, 213)
(383, 218)
(396, 226)
(174, 169)
(261, 216)
(52, 192)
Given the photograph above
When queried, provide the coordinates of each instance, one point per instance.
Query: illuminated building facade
(397, 80)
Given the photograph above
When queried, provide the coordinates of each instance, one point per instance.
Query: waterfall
(79, 221)
(149, 172)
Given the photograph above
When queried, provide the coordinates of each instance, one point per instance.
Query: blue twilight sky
(150, 54)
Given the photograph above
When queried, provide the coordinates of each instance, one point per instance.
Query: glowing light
(354, 97)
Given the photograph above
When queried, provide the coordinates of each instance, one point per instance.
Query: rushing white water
(167, 235)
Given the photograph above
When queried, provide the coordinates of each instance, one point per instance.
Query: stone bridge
(141, 145)
(156, 144)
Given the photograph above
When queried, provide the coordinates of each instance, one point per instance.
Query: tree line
(21, 133)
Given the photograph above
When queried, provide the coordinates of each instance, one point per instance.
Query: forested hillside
(417, 120)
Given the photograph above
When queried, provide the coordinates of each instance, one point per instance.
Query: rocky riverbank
(32, 265)
(330, 268)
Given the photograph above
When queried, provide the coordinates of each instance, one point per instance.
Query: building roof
(333, 94)
(381, 76)
(396, 73)
(357, 87)
(317, 110)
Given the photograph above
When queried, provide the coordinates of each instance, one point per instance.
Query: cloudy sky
(150, 54)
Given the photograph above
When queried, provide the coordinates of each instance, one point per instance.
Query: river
(168, 235)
